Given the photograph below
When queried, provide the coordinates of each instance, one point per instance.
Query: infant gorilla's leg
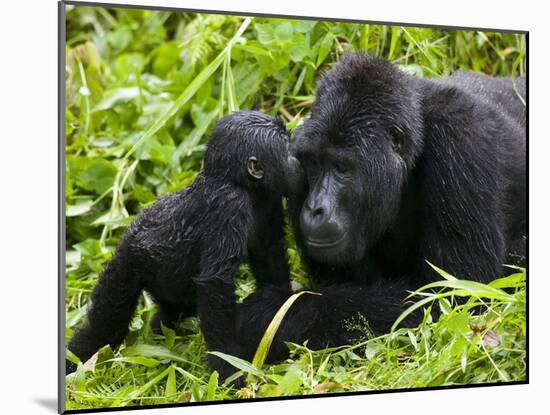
(114, 301)
(341, 315)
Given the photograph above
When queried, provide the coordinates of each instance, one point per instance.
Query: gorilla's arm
(330, 319)
(266, 248)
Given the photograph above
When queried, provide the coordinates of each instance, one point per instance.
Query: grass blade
(141, 391)
(441, 272)
(239, 363)
(267, 339)
(160, 352)
(474, 288)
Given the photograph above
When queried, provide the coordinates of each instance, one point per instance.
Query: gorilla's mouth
(316, 243)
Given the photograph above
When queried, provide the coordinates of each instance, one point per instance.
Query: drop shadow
(48, 403)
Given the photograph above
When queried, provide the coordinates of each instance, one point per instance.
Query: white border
(28, 207)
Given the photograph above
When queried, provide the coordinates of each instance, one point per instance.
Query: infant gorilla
(186, 248)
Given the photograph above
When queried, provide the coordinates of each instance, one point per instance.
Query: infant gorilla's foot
(161, 318)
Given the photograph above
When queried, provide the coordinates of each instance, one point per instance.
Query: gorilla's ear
(254, 168)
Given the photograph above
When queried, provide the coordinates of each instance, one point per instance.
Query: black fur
(342, 315)
(401, 170)
(185, 249)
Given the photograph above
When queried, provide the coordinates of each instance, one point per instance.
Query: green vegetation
(143, 89)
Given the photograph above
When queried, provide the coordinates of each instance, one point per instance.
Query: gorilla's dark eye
(397, 136)
(312, 163)
(340, 167)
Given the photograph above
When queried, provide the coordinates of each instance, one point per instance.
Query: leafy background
(143, 89)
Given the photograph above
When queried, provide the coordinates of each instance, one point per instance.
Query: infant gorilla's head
(251, 149)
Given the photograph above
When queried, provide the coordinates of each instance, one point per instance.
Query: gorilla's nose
(318, 226)
(314, 214)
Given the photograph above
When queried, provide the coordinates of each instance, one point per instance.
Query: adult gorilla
(401, 170)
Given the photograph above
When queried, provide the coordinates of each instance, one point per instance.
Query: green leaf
(115, 217)
(89, 248)
(239, 363)
(72, 258)
(264, 33)
(167, 58)
(92, 173)
(394, 38)
(324, 48)
(117, 96)
(149, 350)
(412, 338)
(458, 346)
(119, 38)
(128, 64)
(80, 378)
(170, 388)
(71, 357)
(441, 272)
(297, 87)
(255, 48)
(212, 386)
(93, 58)
(269, 335)
(445, 306)
(459, 323)
(291, 381)
(138, 360)
(299, 49)
(511, 281)
(304, 26)
(155, 151)
(105, 356)
(81, 207)
(248, 79)
(280, 60)
(470, 288)
(169, 336)
(232, 102)
(140, 391)
(194, 138)
(283, 32)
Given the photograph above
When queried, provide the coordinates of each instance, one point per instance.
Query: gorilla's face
(354, 190)
(357, 149)
(329, 217)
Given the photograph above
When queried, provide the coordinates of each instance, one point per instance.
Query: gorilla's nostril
(317, 212)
